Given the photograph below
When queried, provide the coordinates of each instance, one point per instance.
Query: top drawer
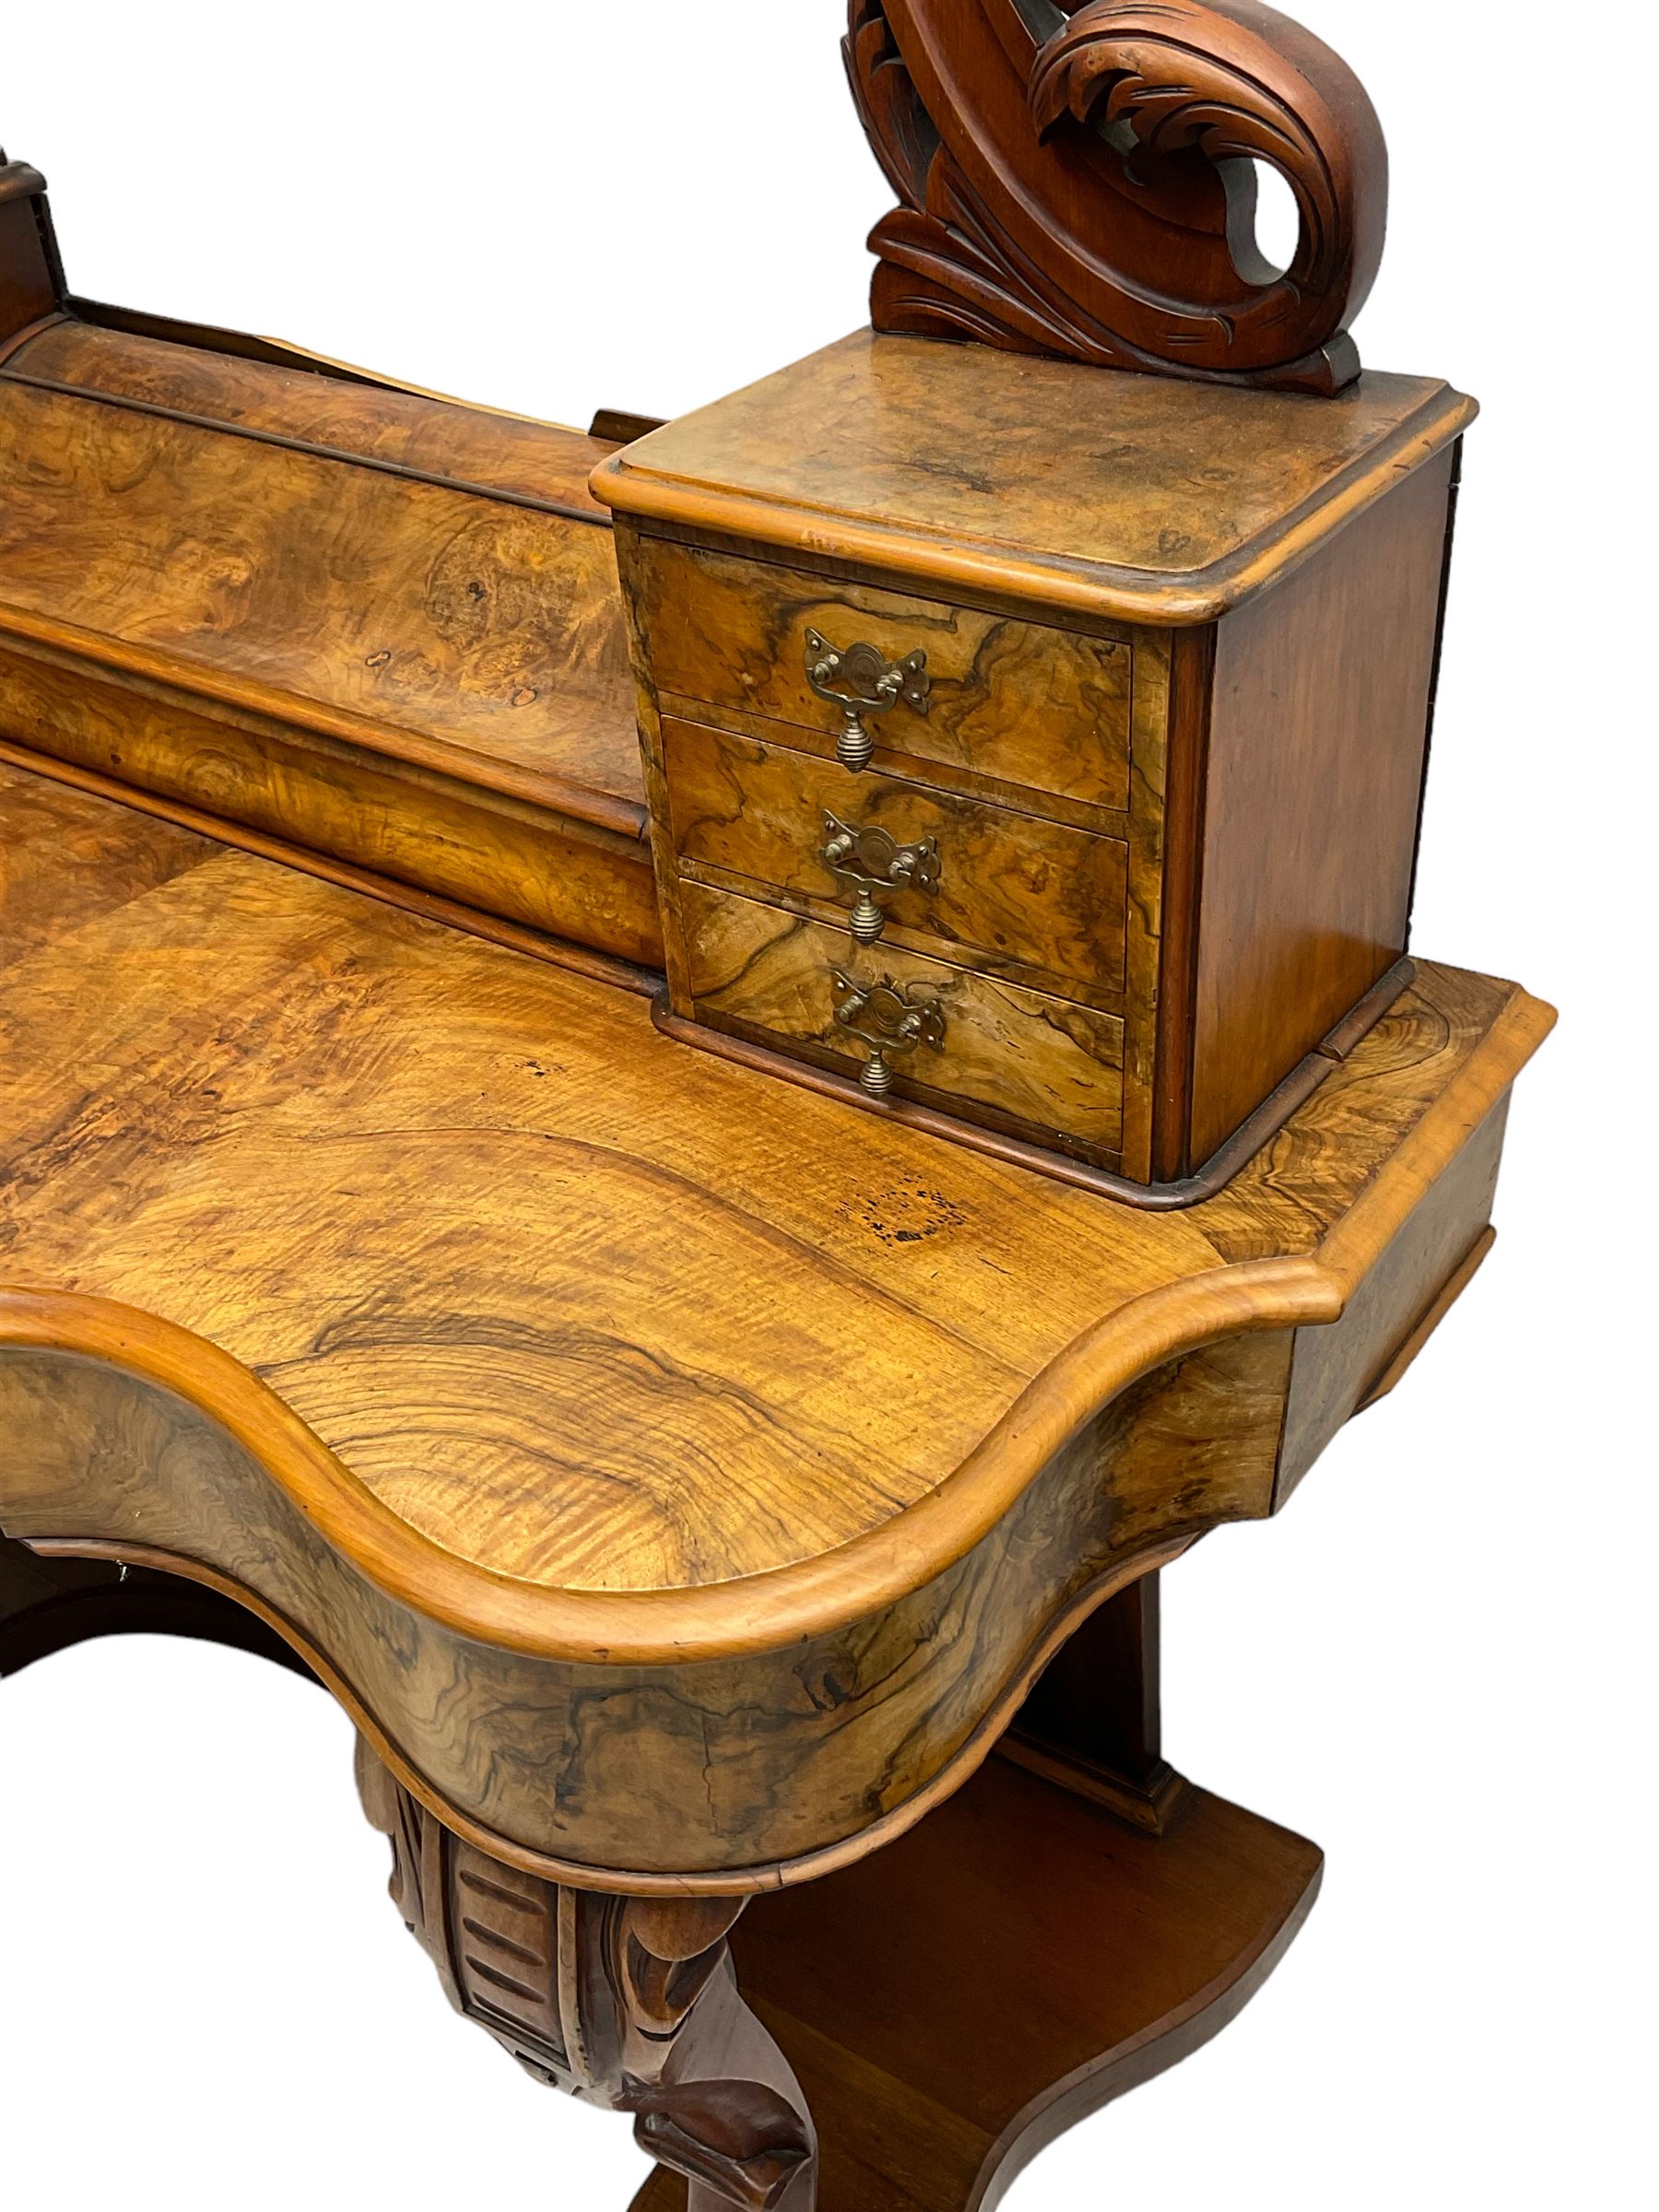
(1048, 709)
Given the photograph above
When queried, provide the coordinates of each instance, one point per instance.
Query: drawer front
(1007, 889)
(1054, 1068)
(1048, 709)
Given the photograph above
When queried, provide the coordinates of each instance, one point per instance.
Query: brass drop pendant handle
(873, 866)
(888, 1020)
(864, 681)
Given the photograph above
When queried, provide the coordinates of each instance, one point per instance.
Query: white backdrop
(1432, 1663)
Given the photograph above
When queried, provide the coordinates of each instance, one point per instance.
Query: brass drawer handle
(888, 1020)
(873, 866)
(864, 681)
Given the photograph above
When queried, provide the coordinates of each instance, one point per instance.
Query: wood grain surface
(441, 830)
(1036, 1061)
(318, 588)
(1122, 498)
(1021, 893)
(469, 446)
(950, 2005)
(1044, 708)
(538, 1373)
(1317, 749)
(1081, 181)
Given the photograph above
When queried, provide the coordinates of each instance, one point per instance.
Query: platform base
(957, 2001)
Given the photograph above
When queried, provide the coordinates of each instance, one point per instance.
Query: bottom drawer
(1052, 1070)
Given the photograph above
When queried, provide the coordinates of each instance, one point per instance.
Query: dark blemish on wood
(907, 1213)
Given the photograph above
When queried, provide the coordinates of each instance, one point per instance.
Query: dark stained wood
(630, 2003)
(1186, 789)
(25, 290)
(935, 2061)
(1093, 1722)
(47, 1605)
(1318, 737)
(1078, 180)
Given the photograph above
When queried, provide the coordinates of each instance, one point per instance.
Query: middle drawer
(1018, 893)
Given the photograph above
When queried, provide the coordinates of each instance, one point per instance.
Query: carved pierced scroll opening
(1264, 222)
(1082, 178)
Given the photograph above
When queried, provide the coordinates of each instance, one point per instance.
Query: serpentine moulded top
(1130, 497)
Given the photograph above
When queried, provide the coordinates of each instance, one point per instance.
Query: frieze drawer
(1020, 702)
(907, 861)
(1040, 1066)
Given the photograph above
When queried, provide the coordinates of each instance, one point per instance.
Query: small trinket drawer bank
(728, 1487)
(1116, 761)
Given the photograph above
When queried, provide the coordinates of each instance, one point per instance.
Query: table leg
(1093, 1722)
(630, 2002)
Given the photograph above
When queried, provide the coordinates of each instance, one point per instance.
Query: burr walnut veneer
(682, 1482)
(728, 1487)
(1126, 831)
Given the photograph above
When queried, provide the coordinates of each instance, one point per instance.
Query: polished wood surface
(1079, 492)
(158, 545)
(448, 832)
(734, 1522)
(539, 462)
(1032, 1060)
(1034, 899)
(1025, 706)
(29, 275)
(1313, 785)
(1078, 180)
(632, 2004)
(1261, 773)
(490, 1443)
(937, 2064)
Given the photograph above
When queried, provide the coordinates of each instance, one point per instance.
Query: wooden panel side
(639, 600)
(1191, 681)
(26, 287)
(1012, 889)
(540, 460)
(1046, 709)
(1317, 738)
(493, 628)
(1337, 1370)
(500, 855)
(1048, 1067)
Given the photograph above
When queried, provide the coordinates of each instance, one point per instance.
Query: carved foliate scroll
(630, 2003)
(1078, 178)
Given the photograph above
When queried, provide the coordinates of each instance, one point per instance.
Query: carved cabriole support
(1079, 180)
(632, 2003)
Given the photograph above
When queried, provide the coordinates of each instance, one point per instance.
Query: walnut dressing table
(677, 1102)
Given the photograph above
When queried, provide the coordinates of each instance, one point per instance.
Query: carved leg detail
(630, 2002)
